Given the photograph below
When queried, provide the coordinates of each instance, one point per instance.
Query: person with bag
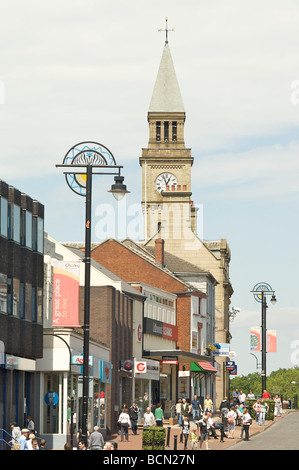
(257, 409)
(231, 422)
(124, 423)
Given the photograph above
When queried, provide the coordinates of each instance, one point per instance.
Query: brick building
(195, 325)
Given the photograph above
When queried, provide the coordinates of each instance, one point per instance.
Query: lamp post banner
(66, 294)
(255, 339)
(271, 341)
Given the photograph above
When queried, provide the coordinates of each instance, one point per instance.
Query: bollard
(168, 437)
(175, 442)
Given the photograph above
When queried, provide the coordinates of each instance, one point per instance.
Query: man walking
(195, 408)
(96, 440)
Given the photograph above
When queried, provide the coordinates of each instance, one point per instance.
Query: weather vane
(166, 31)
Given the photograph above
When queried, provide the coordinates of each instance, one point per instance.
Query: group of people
(25, 439)
(129, 417)
(93, 441)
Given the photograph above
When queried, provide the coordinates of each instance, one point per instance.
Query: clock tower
(166, 162)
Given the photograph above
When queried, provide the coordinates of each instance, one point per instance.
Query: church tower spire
(166, 162)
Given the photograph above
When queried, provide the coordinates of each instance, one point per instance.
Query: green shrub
(153, 438)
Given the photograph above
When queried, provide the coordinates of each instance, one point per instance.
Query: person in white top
(246, 423)
(124, 422)
(148, 418)
(242, 398)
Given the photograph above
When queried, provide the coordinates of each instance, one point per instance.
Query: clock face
(163, 180)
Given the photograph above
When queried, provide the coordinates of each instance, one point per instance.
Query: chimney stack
(159, 251)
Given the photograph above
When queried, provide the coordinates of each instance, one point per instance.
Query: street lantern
(260, 291)
(81, 162)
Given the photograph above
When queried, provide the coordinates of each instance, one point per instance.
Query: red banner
(271, 341)
(66, 294)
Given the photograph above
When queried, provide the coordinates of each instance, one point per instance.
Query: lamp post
(260, 292)
(79, 164)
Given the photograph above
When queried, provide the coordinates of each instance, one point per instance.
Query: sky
(74, 71)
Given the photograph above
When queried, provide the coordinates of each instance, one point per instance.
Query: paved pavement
(135, 442)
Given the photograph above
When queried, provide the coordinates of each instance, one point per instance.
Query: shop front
(61, 389)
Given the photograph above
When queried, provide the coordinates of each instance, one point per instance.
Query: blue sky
(85, 70)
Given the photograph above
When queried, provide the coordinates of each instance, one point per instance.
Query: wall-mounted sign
(105, 372)
(51, 398)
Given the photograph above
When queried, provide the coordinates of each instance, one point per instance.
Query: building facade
(21, 304)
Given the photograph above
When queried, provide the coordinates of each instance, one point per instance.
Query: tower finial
(166, 31)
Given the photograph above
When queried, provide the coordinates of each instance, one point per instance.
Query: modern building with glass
(21, 303)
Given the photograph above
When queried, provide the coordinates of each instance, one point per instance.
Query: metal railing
(3, 441)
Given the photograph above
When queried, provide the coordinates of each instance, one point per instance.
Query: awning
(202, 366)
(182, 356)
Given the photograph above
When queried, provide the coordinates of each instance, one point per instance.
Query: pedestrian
(277, 406)
(185, 410)
(264, 411)
(67, 446)
(208, 404)
(124, 422)
(42, 444)
(23, 439)
(196, 409)
(133, 413)
(148, 418)
(159, 415)
(231, 422)
(193, 439)
(82, 444)
(15, 432)
(96, 440)
(257, 409)
(242, 398)
(30, 425)
(246, 423)
(34, 444)
(185, 431)
(235, 396)
(266, 395)
(211, 425)
(29, 442)
(178, 411)
(203, 432)
(251, 395)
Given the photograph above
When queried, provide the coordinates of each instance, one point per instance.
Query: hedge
(153, 438)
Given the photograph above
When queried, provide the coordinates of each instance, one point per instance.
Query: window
(3, 216)
(28, 231)
(158, 131)
(33, 304)
(174, 131)
(38, 234)
(3, 293)
(28, 291)
(9, 296)
(39, 305)
(22, 300)
(14, 223)
(16, 297)
(166, 131)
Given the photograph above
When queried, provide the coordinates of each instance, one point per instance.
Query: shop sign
(140, 367)
(158, 328)
(223, 351)
(139, 333)
(105, 372)
(169, 360)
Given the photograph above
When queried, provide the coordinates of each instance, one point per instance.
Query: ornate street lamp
(81, 162)
(260, 292)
